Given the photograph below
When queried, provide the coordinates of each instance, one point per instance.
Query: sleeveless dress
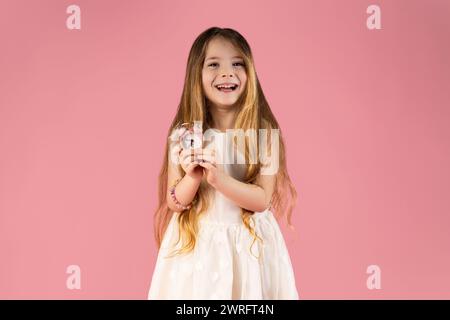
(221, 266)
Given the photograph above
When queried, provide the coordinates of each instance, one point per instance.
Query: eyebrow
(211, 58)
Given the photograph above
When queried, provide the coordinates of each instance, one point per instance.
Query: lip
(227, 83)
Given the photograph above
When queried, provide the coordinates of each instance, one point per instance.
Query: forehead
(221, 48)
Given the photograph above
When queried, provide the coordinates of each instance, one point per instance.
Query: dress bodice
(222, 209)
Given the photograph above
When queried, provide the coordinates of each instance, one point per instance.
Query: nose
(227, 75)
(226, 72)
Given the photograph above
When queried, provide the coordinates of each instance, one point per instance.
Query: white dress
(221, 266)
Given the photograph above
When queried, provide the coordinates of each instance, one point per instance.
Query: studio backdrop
(361, 92)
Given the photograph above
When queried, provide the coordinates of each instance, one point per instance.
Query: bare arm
(253, 197)
(185, 190)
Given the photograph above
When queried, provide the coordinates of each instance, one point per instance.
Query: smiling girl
(215, 224)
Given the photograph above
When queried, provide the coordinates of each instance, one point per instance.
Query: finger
(177, 133)
(187, 154)
(206, 165)
(177, 149)
(208, 151)
(190, 151)
(190, 157)
(192, 166)
(181, 129)
(187, 159)
(207, 157)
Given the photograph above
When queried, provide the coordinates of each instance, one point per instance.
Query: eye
(212, 64)
(238, 63)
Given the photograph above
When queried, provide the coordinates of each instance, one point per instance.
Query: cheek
(243, 79)
(207, 80)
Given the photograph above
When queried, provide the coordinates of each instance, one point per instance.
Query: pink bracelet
(177, 203)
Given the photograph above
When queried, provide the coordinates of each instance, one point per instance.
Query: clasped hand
(199, 162)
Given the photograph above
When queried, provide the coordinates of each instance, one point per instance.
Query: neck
(223, 118)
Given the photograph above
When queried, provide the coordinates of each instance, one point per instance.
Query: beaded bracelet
(177, 203)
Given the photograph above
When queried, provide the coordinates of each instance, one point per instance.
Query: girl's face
(223, 66)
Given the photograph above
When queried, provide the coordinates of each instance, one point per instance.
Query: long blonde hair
(254, 113)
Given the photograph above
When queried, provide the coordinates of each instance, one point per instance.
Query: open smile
(226, 88)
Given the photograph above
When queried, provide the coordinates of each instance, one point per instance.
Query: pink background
(365, 114)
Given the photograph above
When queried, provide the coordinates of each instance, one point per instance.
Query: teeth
(226, 86)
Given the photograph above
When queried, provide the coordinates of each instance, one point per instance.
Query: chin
(225, 103)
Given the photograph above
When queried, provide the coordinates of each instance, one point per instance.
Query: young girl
(215, 225)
